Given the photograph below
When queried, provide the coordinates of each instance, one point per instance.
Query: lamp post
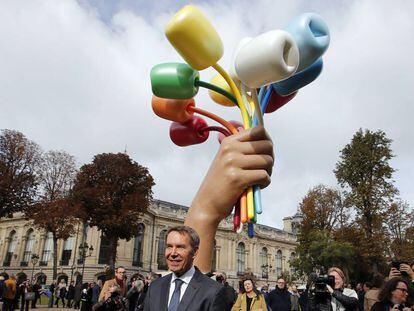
(85, 251)
(265, 271)
(34, 260)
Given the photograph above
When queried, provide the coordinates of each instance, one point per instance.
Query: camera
(321, 281)
(318, 295)
(219, 278)
(396, 264)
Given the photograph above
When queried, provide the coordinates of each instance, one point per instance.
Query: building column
(155, 254)
(22, 248)
(230, 258)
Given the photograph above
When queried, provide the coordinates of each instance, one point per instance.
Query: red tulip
(189, 133)
(276, 101)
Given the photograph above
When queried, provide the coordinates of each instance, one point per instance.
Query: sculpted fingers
(253, 134)
(257, 161)
(255, 177)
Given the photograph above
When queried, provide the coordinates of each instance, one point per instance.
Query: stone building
(266, 255)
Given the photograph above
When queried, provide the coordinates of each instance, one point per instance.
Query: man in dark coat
(279, 298)
(70, 295)
(36, 288)
(229, 294)
(186, 288)
(78, 294)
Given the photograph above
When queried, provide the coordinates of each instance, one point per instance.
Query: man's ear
(195, 253)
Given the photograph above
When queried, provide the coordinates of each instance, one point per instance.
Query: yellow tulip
(194, 38)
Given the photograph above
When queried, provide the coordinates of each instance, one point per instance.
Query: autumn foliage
(112, 193)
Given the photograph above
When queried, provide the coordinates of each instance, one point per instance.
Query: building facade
(266, 255)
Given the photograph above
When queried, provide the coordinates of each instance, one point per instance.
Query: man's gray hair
(192, 234)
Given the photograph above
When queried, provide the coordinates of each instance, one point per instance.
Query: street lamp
(34, 260)
(265, 272)
(84, 251)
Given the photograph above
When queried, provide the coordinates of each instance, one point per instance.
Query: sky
(74, 76)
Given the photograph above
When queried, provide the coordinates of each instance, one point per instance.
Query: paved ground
(45, 308)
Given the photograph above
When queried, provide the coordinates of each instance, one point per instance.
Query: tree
(55, 217)
(365, 175)
(53, 211)
(400, 223)
(322, 251)
(112, 193)
(18, 160)
(323, 211)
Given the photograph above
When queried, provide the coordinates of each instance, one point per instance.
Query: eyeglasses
(404, 290)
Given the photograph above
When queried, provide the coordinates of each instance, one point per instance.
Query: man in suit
(186, 288)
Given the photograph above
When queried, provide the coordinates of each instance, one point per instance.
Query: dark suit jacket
(201, 294)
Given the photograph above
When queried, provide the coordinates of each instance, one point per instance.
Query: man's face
(281, 283)
(119, 274)
(179, 253)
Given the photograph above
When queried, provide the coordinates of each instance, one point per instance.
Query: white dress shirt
(186, 278)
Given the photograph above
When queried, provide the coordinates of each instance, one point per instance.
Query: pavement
(45, 308)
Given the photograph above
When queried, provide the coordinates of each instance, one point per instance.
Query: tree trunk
(113, 244)
(55, 256)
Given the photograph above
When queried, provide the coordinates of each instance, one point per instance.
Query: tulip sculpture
(277, 63)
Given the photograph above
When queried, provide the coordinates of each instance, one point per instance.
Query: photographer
(406, 272)
(229, 294)
(393, 296)
(342, 299)
(113, 301)
(135, 296)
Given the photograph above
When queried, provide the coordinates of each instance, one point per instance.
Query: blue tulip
(298, 80)
(311, 34)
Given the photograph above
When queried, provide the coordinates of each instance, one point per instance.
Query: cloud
(75, 76)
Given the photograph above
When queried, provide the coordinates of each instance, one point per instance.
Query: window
(278, 263)
(264, 263)
(30, 238)
(47, 249)
(241, 254)
(10, 249)
(138, 242)
(103, 251)
(162, 264)
(291, 259)
(67, 251)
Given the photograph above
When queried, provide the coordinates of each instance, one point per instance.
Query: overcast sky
(74, 75)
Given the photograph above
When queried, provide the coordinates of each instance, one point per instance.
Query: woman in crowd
(393, 296)
(249, 298)
(135, 296)
(343, 299)
(371, 296)
(25, 290)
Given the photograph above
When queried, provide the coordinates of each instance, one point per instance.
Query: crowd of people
(394, 293)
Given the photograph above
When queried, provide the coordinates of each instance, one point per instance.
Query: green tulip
(174, 80)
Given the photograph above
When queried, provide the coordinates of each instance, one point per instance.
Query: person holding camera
(229, 294)
(113, 300)
(406, 272)
(136, 296)
(342, 299)
(393, 296)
